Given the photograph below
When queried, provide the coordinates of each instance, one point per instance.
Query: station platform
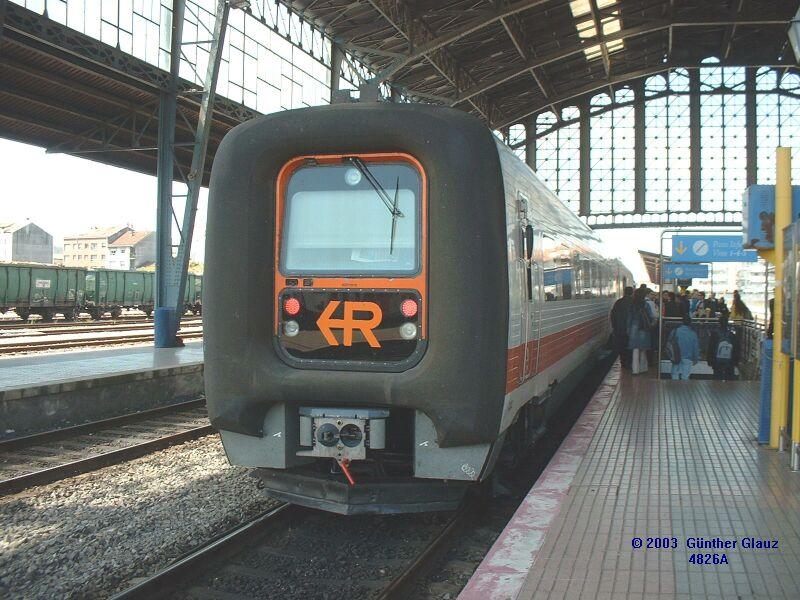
(648, 459)
(45, 391)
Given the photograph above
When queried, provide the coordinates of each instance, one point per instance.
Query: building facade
(90, 249)
(25, 242)
(132, 250)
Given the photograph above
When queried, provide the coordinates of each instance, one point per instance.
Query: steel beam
(165, 174)
(399, 16)
(619, 78)
(517, 36)
(337, 57)
(598, 26)
(434, 43)
(530, 142)
(585, 161)
(751, 120)
(578, 48)
(640, 149)
(173, 256)
(695, 147)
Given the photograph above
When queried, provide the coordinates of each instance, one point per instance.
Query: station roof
(508, 60)
(651, 262)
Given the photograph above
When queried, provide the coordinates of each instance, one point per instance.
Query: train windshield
(352, 218)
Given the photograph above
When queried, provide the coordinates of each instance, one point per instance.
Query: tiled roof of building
(96, 232)
(131, 238)
(11, 226)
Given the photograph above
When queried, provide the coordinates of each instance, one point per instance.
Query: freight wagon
(111, 291)
(47, 290)
(43, 290)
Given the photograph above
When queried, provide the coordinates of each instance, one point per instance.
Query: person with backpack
(620, 315)
(723, 351)
(641, 320)
(683, 349)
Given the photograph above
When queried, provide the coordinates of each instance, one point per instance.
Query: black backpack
(673, 349)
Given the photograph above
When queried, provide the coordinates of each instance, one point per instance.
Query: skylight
(587, 30)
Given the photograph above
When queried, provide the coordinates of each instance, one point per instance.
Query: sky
(66, 195)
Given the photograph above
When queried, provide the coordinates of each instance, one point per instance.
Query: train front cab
(375, 368)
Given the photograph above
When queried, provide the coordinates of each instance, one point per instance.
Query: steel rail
(403, 584)
(92, 463)
(164, 581)
(53, 435)
(82, 327)
(8, 324)
(83, 343)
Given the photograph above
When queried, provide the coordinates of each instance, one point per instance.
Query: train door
(536, 300)
(530, 288)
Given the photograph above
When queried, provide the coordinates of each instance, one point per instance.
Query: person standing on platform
(739, 310)
(685, 349)
(673, 309)
(640, 322)
(620, 315)
(723, 351)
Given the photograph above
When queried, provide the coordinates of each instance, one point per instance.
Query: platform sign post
(780, 362)
(794, 265)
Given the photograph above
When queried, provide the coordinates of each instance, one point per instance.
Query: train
(412, 302)
(48, 290)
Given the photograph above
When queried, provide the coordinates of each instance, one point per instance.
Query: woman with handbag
(640, 323)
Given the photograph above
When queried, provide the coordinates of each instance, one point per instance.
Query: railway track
(291, 552)
(46, 457)
(11, 326)
(259, 558)
(87, 327)
(8, 346)
(58, 321)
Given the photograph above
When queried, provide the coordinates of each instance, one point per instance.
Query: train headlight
(291, 328)
(352, 176)
(408, 331)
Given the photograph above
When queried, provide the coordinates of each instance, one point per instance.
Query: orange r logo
(349, 323)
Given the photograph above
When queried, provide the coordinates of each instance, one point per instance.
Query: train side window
(557, 272)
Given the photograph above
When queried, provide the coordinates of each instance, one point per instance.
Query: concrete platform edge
(503, 571)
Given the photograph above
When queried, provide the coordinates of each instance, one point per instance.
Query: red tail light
(409, 308)
(291, 306)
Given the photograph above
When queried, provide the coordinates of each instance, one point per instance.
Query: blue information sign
(682, 271)
(758, 215)
(710, 248)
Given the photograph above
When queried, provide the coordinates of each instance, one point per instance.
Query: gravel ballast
(89, 536)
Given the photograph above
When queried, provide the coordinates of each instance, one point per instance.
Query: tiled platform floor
(62, 367)
(675, 459)
(679, 460)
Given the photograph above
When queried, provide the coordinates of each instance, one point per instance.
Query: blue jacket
(687, 342)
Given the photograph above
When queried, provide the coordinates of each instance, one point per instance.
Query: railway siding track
(47, 343)
(54, 455)
(69, 327)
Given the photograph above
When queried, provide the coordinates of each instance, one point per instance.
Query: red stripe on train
(552, 348)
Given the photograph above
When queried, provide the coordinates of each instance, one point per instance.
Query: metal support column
(585, 161)
(750, 125)
(640, 143)
(780, 361)
(174, 256)
(337, 57)
(165, 170)
(695, 159)
(530, 142)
